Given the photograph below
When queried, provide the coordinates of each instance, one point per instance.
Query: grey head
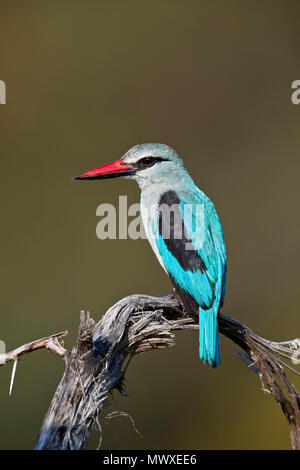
(154, 163)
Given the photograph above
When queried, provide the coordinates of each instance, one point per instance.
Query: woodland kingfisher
(189, 244)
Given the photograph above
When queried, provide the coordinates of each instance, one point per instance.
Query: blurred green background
(86, 80)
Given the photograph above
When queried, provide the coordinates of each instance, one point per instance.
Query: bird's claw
(171, 295)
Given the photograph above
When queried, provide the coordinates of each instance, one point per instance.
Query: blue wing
(195, 260)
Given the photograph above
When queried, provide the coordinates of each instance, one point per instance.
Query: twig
(49, 342)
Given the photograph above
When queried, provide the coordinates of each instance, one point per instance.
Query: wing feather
(195, 259)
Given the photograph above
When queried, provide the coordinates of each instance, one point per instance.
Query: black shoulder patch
(172, 231)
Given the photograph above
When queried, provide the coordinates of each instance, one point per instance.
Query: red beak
(110, 170)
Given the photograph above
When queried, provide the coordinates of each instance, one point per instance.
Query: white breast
(149, 206)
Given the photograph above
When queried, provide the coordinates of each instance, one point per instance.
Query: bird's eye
(147, 161)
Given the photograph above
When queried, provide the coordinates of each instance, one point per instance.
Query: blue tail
(209, 347)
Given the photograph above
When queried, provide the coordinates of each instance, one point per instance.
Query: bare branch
(97, 364)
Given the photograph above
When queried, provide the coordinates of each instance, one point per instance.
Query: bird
(189, 245)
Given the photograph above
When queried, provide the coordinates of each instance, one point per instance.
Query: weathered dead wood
(97, 364)
(138, 323)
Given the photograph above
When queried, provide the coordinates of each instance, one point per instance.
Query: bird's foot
(171, 295)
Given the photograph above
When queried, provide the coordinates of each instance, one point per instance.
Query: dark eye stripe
(147, 162)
